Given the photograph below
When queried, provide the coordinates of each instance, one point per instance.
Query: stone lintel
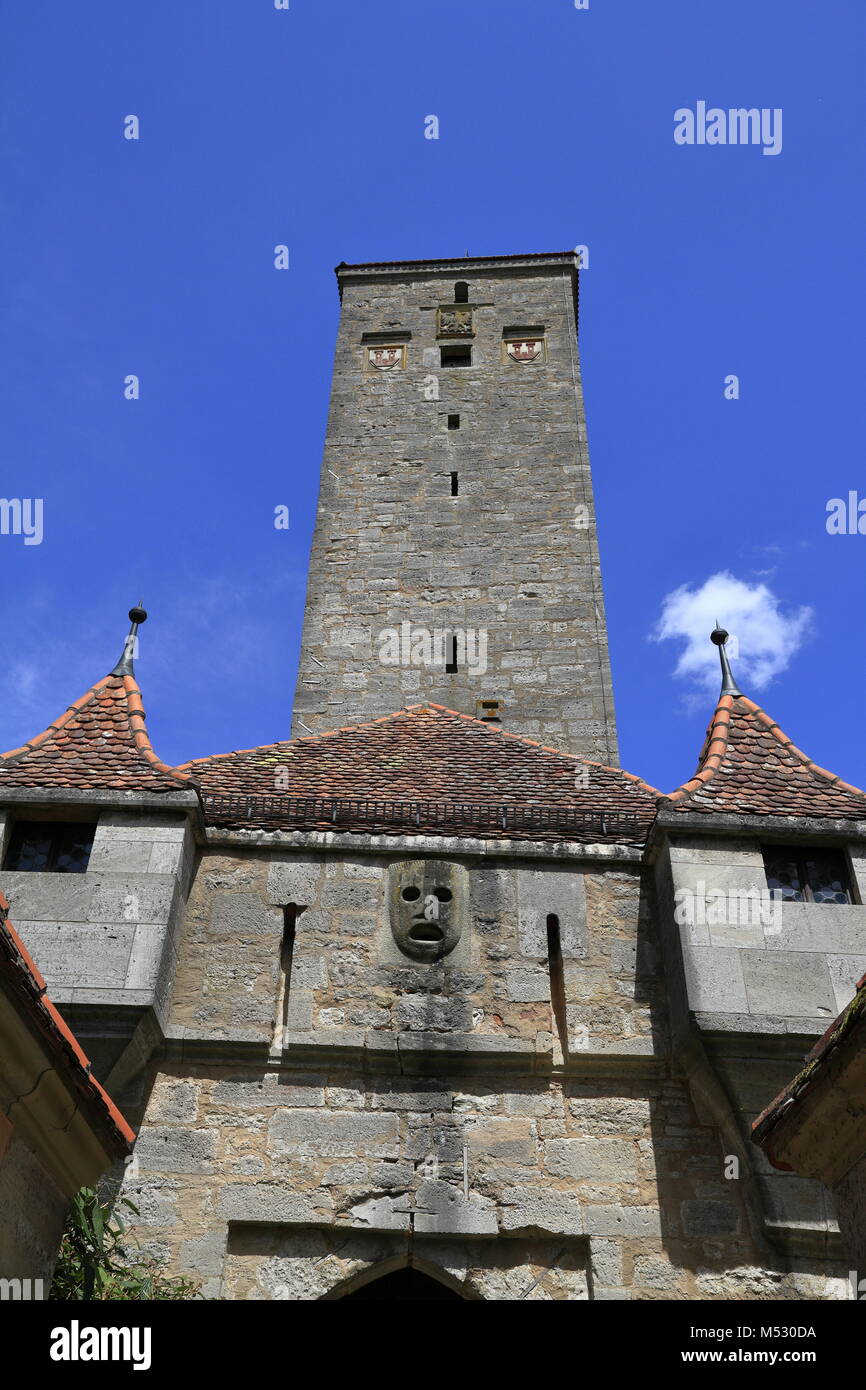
(396, 1222)
(326, 841)
(726, 1031)
(456, 1053)
(762, 827)
(613, 1059)
(812, 1242)
(453, 1054)
(112, 797)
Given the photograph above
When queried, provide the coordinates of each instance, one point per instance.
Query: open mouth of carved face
(426, 934)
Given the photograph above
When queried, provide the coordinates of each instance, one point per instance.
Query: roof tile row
(427, 753)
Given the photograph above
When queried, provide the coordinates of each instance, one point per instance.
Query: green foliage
(96, 1261)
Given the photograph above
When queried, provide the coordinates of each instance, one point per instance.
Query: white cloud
(766, 636)
(23, 680)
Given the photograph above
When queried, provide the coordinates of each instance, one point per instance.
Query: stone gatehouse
(433, 991)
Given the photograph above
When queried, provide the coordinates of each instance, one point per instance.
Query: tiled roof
(27, 984)
(749, 767)
(429, 757)
(431, 767)
(100, 742)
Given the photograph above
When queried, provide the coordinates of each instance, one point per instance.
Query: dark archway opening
(403, 1283)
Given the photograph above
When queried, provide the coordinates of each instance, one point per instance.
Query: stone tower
(455, 556)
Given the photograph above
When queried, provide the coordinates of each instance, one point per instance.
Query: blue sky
(306, 127)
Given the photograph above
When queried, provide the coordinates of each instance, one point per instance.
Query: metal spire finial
(729, 686)
(124, 667)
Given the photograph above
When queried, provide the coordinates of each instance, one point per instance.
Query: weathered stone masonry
(421, 1108)
(107, 938)
(420, 991)
(514, 554)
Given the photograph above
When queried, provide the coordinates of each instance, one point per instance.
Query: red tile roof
(429, 757)
(445, 772)
(100, 742)
(28, 986)
(749, 767)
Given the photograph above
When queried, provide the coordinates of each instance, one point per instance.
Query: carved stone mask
(427, 906)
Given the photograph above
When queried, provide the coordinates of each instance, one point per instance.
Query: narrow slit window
(287, 945)
(454, 487)
(557, 980)
(291, 912)
(453, 422)
(451, 663)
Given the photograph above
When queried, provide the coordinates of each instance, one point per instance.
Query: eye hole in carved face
(443, 894)
(411, 895)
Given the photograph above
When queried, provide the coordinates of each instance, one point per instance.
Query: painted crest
(385, 358)
(525, 349)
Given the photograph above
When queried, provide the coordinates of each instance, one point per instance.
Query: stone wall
(279, 1263)
(284, 1184)
(514, 554)
(758, 985)
(791, 972)
(421, 1112)
(351, 986)
(105, 940)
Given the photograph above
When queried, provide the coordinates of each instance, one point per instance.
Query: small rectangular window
(61, 847)
(802, 875)
(453, 422)
(451, 663)
(456, 355)
(453, 484)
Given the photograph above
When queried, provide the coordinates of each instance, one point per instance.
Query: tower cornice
(347, 272)
(457, 262)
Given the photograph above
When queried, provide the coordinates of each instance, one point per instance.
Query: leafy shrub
(96, 1260)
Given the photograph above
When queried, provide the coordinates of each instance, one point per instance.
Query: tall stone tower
(455, 556)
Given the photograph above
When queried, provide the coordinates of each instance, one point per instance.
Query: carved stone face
(427, 906)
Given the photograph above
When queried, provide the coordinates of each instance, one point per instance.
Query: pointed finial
(124, 667)
(729, 685)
